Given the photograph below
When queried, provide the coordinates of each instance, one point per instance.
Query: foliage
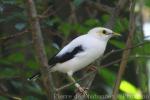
(18, 61)
(147, 3)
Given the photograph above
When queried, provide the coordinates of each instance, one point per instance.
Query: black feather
(59, 59)
(65, 57)
(34, 76)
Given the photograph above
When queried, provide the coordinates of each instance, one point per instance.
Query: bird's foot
(82, 90)
(92, 68)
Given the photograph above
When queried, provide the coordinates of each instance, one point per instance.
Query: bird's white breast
(93, 49)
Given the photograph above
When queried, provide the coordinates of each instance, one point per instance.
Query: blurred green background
(60, 23)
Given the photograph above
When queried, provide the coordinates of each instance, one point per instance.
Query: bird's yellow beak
(116, 34)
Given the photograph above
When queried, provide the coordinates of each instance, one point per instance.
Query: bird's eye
(104, 32)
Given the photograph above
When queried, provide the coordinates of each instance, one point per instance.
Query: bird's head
(103, 33)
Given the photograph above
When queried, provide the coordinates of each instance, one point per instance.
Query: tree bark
(126, 53)
(39, 50)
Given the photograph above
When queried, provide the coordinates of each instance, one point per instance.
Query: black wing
(65, 57)
(59, 59)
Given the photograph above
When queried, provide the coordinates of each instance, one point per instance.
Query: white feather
(93, 44)
(94, 47)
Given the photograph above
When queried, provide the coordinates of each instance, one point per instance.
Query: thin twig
(126, 52)
(66, 86)
(14, 50)
(46, 11)
(100, 7)
(102, 66)
(13, 35)
(119, 50)
(114, 14)
(10, 96)
(26, 30)
(52, 13)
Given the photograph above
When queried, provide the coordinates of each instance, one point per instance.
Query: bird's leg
(77, 85)
(92, 68)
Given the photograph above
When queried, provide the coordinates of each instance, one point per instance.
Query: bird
(79, 53)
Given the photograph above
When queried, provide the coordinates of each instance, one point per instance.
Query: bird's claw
(92, 68)
(82, 91)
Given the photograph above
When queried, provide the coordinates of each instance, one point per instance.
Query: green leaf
(131, 90)
(117, 43)
(92, 22)
(32, 64)
(119, 27)
(16, 57)
(105, 18)
(146, 48)
(81, 29)
(108, 76)
(3, 98)
(65, 28)
(5, 62)
(147, 3)
(127, 87)
(9, 72)
(51, 50)
(125, 22)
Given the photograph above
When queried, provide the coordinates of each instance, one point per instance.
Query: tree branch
(108, 64)
(45, 15)
(126, 52)
(119, 50)
(5, 38)
(79, 80)
(39, 49)
(114, 14)
(101, 7)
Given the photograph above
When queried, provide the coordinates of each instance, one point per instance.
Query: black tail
(34, 77)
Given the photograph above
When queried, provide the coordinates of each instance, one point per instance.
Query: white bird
(80, 52)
